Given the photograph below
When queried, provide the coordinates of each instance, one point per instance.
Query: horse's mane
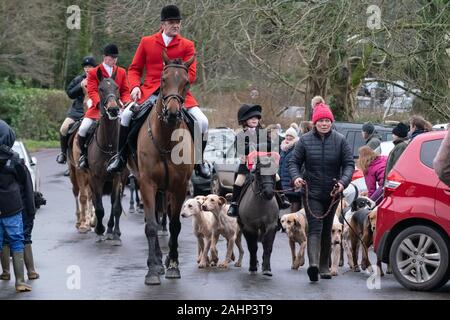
(176, 61)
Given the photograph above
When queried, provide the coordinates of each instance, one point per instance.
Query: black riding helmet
(247, 111)
(89, 61)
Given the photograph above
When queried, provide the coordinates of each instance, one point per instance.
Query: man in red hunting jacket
(109, 69)
(148, 56)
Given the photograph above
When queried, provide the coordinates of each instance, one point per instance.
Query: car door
(442, 202)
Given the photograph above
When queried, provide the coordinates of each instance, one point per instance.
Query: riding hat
(111, 50)
(89, 61)
(247, 111)
(170, 12)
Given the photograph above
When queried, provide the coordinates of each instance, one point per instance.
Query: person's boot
(202, 169)
(5, 254)
(29, 262)
(62, 158)
(313, 247)
(325, 253)
(83, 162)
(18, 265)
(282, 200)
(233, 210)
(120, 160)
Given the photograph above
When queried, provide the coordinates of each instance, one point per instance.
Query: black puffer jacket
(74, 91)
(16, 189)
(325, 158)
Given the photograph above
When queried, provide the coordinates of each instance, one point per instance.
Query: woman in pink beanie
(329, 167)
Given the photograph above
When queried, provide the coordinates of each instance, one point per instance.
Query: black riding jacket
(325, 158)
(75, 92)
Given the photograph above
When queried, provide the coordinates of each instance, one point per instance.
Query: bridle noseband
(164, 114)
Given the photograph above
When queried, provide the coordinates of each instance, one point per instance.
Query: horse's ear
(99, 75)
(190, 61)
(222, 201)
(165, 57)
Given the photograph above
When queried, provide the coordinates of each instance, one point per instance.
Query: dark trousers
(319, 207)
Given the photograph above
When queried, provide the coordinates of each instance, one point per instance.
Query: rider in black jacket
(329, 167)
(16, 203)
(76, 111)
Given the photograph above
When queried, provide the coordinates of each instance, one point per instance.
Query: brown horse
(164, 166)
(100, 150)
(80, 182)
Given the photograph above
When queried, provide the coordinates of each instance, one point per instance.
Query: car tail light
(357, 174)
(394, 180)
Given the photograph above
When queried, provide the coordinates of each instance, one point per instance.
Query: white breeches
(84, 127)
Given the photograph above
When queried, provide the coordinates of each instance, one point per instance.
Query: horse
(258, 212)
(100, 150)
(80, 182)
(162, 177)
(134, 196)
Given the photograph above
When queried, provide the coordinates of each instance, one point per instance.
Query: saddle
(140, 114)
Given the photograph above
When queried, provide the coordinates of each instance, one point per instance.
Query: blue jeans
(12, 227)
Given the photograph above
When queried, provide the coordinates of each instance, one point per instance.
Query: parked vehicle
(413, 222)
(352, 132)
(30, 162)
(219, 141)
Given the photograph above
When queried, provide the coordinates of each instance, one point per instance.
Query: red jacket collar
(172, 43)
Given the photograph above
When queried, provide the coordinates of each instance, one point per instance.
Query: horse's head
(174, 87)
(108, 91)
(264, 172)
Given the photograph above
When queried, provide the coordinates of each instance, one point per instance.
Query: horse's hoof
(161, 270)
(163, 233)
(99, 238)
(140, 211)
(267, 273)
(152, 280)
(116, 242)
(238, 265)
(131, 211)
(5, 276)
(173, 273)
(109, 236)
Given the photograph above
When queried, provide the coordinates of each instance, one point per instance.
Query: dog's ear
(222, 201)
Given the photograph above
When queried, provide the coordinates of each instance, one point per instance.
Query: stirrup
(117, 164)
(82, 163)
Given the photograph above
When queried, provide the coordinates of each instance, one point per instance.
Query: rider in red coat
(109, 69)
(148, 56)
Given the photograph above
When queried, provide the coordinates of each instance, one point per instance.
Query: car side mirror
(33, 161)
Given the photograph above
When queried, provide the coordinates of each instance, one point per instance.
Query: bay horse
(80, 181)
(162, 177)
(258, 212)
(102, 147)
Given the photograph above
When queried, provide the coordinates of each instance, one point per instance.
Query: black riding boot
(283, 202)
(120, 160)
(233, 210)
(202, 169)
(313, 248)
(83, 162)
(61, 158)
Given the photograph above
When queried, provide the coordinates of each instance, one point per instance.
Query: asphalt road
(74, 266)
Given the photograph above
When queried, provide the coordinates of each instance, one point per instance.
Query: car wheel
(216, 187)
(419, 257)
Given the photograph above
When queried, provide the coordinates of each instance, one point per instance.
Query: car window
(428, 152)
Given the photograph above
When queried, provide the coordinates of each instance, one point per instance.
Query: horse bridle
(260, 184)
(164, 114)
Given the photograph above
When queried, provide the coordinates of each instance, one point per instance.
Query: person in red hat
(329, 167)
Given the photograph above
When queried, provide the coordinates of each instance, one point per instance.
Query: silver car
(30, 162)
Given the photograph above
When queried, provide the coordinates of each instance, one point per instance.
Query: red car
(413, 220)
